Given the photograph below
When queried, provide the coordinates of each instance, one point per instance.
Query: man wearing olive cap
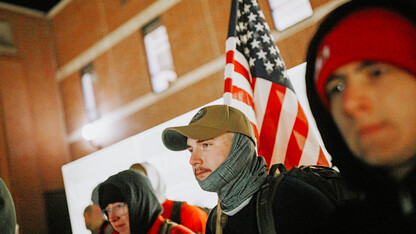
(224, 160)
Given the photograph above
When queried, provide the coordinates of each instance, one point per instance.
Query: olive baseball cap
(209, 122)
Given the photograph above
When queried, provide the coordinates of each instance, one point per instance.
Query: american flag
(256, 83)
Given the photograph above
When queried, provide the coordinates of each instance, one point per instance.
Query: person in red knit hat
(361, 87)
(129, 203)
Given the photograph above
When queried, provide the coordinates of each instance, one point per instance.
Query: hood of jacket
(358, 174)
(137, 192)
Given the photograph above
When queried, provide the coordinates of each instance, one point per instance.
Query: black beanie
(109, 193)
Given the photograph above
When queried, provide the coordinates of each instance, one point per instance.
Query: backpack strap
(277, 166)
(167, 226)
(264, 200)
(212, 220)
(175, 216)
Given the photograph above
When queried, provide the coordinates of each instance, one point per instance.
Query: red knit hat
(372, 34)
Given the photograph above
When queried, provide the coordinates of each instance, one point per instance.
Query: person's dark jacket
(388, 205)
(297, 208)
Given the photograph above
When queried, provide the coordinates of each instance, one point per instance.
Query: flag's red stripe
(253, 83)
(228, 80)
(229, 57)
(243, 71)
(242, 95)
(322, 159)
(297, 140)
(228, 85)
(256, 132)
(238, 67)
(270, 121)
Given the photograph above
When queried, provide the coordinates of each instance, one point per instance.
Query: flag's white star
(255, 44)
(246, 51)
(272, 49)
(249, 34)
(261, 54)
(252, 17)
(259, 27)
(266, 38)
(269, 66)
(237, 41)
(279, 62)
(242, 26)
(247, 8)
(285, 76)
(251, 62)
(244, 39)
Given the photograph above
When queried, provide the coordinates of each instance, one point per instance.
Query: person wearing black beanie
(361, 86)
(130, 204)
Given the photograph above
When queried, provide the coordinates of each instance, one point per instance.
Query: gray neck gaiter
(239, 176)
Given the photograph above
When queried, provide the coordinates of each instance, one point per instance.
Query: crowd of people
(360, 83)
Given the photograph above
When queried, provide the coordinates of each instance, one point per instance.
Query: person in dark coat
(129, 203)
(224, 159)
(361, 87)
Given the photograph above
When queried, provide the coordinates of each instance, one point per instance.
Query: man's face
(118, 215)
(374, 106)
(207, 155)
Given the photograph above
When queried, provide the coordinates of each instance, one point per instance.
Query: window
(289, 12)
(6, 38)
(159, 56)
(88, 78)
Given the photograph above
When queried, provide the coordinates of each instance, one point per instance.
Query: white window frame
(6, 38)
(159, 56)
(287, 13)
(88, 78)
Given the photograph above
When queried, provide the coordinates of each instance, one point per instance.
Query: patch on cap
(198, 115)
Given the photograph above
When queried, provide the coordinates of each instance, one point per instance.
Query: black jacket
(297, 208)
